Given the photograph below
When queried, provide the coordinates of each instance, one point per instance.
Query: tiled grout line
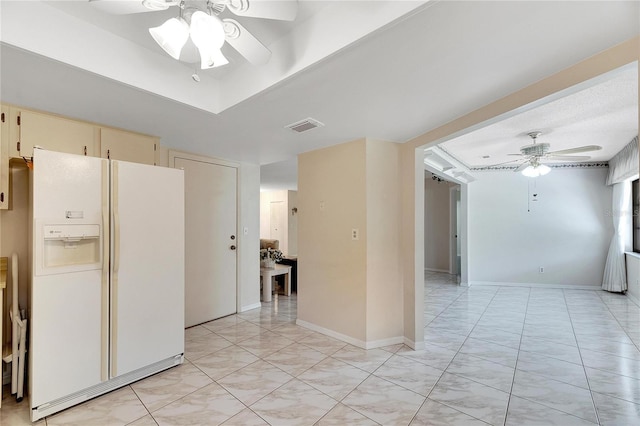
(637, 345)
(295, 377)
(457, 352)
(593, 401)
(557, 409)
(515, 368)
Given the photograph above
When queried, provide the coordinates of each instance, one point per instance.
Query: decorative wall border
(591, 165)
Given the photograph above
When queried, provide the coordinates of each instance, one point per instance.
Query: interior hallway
(493, 355)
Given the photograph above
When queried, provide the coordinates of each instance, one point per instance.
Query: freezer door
(69, 288)
(147, 276)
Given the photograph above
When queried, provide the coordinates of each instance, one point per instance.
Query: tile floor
(493, 355)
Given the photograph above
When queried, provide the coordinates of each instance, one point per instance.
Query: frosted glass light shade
(156, 4)
(171, 36)
(535, 171)
(212, 59)
(207, 34)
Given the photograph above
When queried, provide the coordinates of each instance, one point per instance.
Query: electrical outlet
(541, 270)
(355, 234)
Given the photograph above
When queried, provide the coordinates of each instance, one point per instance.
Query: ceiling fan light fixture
(212, 59)
(171, 36)
(158, 4)
(207, 33)
(536, 170)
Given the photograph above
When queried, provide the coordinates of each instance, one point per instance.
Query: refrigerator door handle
(104, 353)
(116, 219)
(116, 267)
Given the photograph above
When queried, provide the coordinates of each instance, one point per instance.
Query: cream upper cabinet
(14, 131)
(55, 134)
(4, 157)
(126, 146)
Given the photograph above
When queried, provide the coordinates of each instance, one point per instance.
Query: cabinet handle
(1, 197)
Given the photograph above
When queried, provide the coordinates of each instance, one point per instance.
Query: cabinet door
(54, 134)
(14, 132)
(126, 146)
(4, 157)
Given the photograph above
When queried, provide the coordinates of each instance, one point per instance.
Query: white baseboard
(348, 339)
(534, 285)
(416, 346)
(444, 271)
(250, 307)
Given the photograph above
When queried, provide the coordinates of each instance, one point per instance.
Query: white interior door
(278, 223)
(147, 278)
(211, 240)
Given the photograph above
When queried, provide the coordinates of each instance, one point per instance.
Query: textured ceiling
(604, 114)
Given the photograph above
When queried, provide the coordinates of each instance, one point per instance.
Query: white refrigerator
(107, 288)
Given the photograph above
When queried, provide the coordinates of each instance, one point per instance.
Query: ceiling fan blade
(519, 155)
(245, 43)
(284, 10)
(567, 157)
(503, 163)
(125, 7)
(522, 166)
(577, 150)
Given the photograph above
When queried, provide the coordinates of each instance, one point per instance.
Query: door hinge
(18, 120)
(18, 146)
(3, 117)
(154, 147)
(108, 154)
(1, 197)
(85, 150)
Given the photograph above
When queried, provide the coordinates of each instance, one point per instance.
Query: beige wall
(332, 267)
(292, 223)
(384, 287)
(350, 288)
(249, 244)
(437, 222)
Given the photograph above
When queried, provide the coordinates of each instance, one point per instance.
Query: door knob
(232, 247)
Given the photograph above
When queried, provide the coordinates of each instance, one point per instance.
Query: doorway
(211, 286)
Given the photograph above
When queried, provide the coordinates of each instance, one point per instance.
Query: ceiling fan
(534, 153)
(198, 20)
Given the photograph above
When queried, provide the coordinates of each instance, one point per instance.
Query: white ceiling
(604, 114)
(388, 70)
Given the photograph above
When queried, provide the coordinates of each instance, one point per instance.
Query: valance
(624, 164)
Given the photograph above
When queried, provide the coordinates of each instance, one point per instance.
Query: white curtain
(615, 272)
(624, 164)
(622, 168)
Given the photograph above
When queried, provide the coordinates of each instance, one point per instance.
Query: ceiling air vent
(304, 125)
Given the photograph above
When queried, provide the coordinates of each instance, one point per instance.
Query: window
(635, 196)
